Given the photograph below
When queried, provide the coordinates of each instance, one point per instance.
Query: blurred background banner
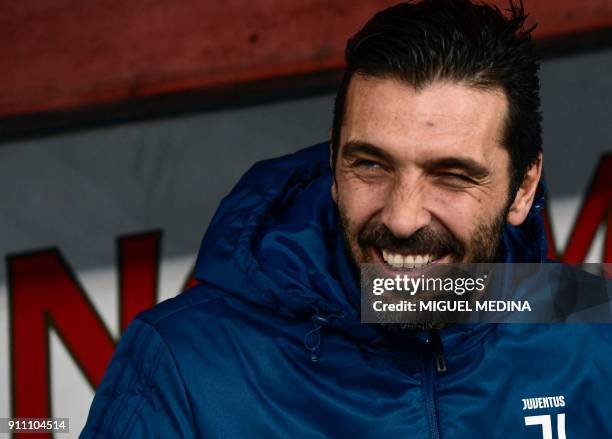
(123, 124)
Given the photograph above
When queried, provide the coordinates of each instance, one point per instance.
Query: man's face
(421, 176)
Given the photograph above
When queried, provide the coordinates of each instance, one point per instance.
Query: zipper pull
(438, 351)
(440, 363)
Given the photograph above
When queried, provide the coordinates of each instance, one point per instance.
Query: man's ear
(524, 196)
(334, 187)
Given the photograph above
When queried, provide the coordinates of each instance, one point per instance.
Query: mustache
(423, 241)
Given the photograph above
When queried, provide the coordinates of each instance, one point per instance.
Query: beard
(484, 246)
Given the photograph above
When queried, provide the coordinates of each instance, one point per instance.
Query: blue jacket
(270, 345)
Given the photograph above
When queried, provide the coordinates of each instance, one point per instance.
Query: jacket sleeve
(142, 394)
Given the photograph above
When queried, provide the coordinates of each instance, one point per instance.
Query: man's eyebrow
(356, 147)
(471, 167)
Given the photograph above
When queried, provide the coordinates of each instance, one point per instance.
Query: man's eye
(456, 177)
(366, 164)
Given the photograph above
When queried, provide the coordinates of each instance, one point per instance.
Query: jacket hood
(275, 241)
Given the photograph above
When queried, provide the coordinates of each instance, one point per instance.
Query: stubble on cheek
(349, 234)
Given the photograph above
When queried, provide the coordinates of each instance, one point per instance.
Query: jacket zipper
(433, 363)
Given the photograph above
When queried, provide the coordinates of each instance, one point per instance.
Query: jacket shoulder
(197, 297)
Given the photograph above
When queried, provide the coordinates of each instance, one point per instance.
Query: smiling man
(422, 174)
(435, 157)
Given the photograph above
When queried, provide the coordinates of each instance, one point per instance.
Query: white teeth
(397, 260)
(409, 261)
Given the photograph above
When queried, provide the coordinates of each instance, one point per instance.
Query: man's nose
(404, 212)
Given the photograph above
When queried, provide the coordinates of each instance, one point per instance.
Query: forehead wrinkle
(376, 115)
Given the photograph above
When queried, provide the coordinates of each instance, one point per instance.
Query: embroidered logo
(545, 421)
